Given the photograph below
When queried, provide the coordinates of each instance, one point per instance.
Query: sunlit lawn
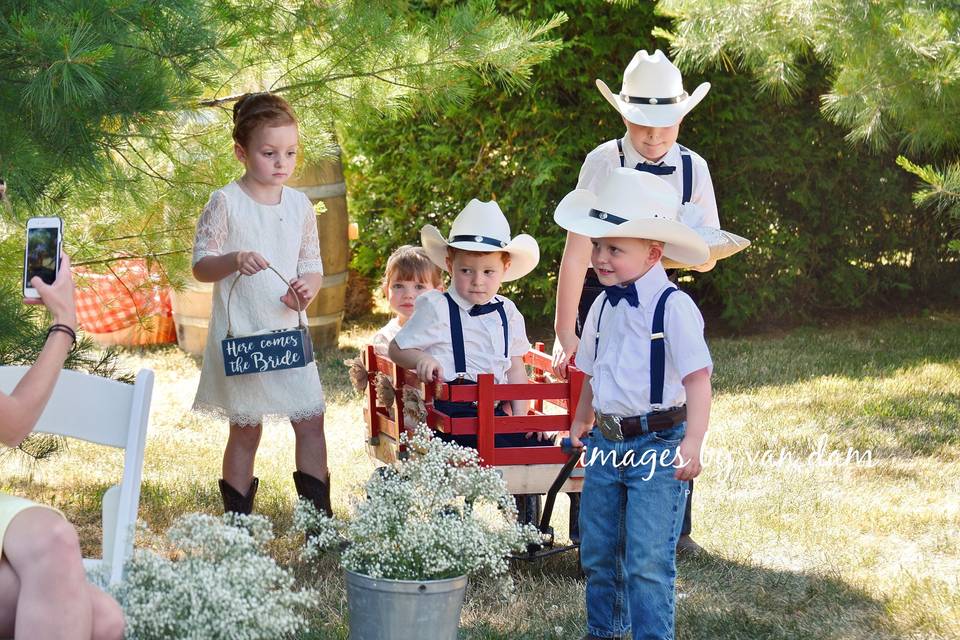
(797, 550)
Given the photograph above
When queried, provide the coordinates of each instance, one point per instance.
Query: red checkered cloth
(129, 299)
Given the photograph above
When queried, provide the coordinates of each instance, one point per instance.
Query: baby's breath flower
(222, 585)
(437, 514)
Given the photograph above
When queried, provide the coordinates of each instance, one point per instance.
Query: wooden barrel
(191, 315)
(321, 181)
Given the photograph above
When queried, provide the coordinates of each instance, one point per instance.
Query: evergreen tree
(116, 116)
(894, 64)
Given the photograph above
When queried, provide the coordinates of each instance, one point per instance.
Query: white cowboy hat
(722, 244)
(633, 204)
(482, 227)
(652, 94)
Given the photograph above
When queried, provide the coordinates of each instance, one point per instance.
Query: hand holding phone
(58, 297)
(41, 257)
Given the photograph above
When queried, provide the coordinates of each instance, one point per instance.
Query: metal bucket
(382, 609)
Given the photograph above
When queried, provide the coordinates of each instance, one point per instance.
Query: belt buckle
(609, 427)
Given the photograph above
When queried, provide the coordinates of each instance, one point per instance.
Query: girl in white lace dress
(247, 226)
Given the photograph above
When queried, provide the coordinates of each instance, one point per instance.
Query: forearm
(314, 281)
(216, 268)
(699, 395)
(406, 358)
(517, 374)
(22, 408)
(573, 267)
(584, 412)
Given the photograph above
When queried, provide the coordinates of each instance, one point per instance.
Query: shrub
(833, 226)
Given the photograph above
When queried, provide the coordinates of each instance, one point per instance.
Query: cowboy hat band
(606, 217)
(493, 242)
(638, 100)
(481, 227)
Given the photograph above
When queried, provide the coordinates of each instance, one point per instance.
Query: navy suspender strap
(658, 349)
(506, 333)
(686, 161)
(456, 338)
(658, 353)
(596, 341)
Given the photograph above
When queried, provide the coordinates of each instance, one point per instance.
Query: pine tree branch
(132, 256)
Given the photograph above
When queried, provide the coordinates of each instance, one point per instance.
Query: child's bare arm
(517, 374)
(699, 395)
(306, 288)
(216, 268)
(427, 367)
(583, 416)
(573, 266)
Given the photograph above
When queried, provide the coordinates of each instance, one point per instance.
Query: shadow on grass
(856, 352)
(717, 599)
(721, 598)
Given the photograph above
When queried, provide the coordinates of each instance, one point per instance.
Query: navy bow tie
(617, 293)
(656, 169)
(483, 309)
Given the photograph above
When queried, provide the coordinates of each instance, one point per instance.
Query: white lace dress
(286, 235)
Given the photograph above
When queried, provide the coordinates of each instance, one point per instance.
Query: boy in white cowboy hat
(647, 396)
(469, 329)
(652, 102)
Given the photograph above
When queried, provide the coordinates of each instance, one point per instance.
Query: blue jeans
(630, 516)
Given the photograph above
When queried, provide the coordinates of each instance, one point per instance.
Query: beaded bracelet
(62, 328)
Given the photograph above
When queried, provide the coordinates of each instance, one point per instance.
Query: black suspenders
(686, 174)
(456, 336)
(658, 354)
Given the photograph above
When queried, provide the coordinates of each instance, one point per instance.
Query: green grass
(796, 551)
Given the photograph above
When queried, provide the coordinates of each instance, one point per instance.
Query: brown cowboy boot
(236, 502)
(315, 490)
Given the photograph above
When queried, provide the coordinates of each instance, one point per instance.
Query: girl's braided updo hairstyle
(254, 110)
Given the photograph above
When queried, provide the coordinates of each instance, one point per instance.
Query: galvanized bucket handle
(285, 281)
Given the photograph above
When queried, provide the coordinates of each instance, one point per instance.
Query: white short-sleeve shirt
(601, 162)
(381, 339)
(428, 329)
(621, 369)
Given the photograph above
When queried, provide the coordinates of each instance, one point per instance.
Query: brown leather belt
(618, 428)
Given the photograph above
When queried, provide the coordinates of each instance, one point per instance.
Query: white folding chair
(105, 412)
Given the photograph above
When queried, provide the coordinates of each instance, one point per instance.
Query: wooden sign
(264, 352)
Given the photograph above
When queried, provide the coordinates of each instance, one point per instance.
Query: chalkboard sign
(263, 352)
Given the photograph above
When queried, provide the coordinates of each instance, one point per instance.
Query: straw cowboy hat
(633, 204)
(652, 94)
(482, 227)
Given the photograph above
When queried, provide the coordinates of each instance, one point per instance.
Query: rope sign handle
(285, 281)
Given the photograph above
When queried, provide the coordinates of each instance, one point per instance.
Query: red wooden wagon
(547, 469)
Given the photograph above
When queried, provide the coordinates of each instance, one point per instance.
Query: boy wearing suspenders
(652, 103)
(646, 397)
(455, 335)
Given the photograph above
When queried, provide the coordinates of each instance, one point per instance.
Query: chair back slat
(82, 406)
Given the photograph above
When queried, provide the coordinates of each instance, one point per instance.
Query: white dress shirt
(601, 162)
(428, 329)
(621, 370)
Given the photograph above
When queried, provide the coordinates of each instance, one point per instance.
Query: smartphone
(42, 255)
